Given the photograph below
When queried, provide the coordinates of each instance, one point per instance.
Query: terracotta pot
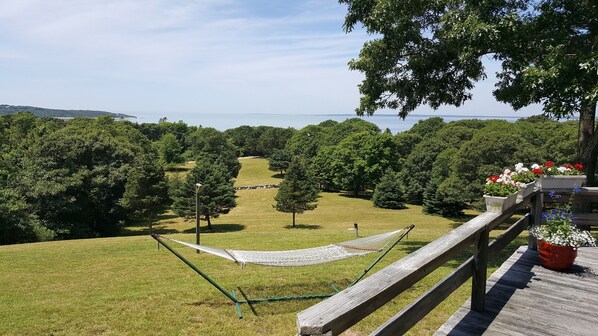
(556, 257)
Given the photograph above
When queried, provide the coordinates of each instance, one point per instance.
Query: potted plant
(559, 238)
(526, 180)
(500, 192)
(563, 177)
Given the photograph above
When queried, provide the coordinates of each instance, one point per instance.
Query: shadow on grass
(217, 228)
(278, 175)
(143, 232)
(159, 229)
(177, 169)
(365, 196)
(303, 226)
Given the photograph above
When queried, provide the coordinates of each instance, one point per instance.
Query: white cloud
(134, 55)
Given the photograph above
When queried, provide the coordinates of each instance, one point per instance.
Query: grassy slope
(124, 285)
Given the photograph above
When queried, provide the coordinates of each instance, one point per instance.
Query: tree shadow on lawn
(217, 228)
(143, 223)
(303, 226)
(159, 229)
(163, 229)
(177, 169)
(365, 196)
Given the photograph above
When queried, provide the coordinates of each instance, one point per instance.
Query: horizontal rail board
(410, 315)
(338, 313)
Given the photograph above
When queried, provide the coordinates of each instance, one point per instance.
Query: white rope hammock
(303, 257)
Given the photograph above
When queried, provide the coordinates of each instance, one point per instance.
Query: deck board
(523, 298)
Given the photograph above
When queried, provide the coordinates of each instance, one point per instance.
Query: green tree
(389, 192)
(333, 134)
(169, 149)
(17, 223)
(73, 178)
(360, 160)
(216, 195)
(209, 144)
(431, 53)
(245, 138)
(488, 153)
(273, 139)
(417, 169)
(146, 190)
(306, 142)
(297, 192)
(322, 170)
(441, 196)
(279, 161)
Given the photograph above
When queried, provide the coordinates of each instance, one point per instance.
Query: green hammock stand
(237, 302)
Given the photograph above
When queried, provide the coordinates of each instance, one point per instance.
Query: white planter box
(526, 189)
(547, 182)
(499, 204)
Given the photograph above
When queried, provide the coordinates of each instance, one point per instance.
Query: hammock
(303, 257)
(309, 256)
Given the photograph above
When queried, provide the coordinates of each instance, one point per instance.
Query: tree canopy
(431, 53)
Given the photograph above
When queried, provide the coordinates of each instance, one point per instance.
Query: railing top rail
(338, 313)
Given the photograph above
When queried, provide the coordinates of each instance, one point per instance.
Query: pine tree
(297, 192)
(442, 195)
(216, 196)
(146, 190)
(389, 193)
(279, 161)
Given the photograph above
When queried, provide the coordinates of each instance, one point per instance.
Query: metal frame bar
(233, 297)
(408, 229)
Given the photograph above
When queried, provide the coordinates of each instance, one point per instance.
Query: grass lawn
(126, 286)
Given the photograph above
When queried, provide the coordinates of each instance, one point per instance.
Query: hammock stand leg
(197, 270)
(407, 229)
(237, 306)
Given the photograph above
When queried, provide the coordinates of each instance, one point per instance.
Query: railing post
(480, 269)
(537, 203)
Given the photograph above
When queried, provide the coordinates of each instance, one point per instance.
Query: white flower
(562, 169)
(519, 167)
(535, 166)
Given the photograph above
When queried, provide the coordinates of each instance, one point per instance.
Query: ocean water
(223, 122)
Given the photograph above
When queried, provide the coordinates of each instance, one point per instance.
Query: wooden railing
(343, 310)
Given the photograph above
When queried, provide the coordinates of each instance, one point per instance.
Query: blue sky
(169, 57)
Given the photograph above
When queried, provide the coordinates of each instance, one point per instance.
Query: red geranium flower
(537, 171)
(568, 166)
(578, 166)
(549, 164)
(493, 178)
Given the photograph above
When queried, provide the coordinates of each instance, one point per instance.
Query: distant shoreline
(60, 113)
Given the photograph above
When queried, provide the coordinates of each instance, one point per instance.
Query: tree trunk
(209, 222)
(587, 145)
(150, 225)
(293, 219)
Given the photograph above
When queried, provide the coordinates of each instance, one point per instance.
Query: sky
(174, 57)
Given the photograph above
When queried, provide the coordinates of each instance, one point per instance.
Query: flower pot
(547, 182)
(556, 257)
(499, 204)
(526, 189)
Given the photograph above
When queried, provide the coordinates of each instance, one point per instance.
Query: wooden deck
(524, 298)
